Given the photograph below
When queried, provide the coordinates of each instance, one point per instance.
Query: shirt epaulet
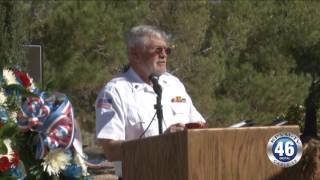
(171, 79)
(116, 82)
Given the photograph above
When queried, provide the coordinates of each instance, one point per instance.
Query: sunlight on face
(154, 57)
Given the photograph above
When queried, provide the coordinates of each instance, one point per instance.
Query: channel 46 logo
(284, 149)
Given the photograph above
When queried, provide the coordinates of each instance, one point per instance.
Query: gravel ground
(95, 154)
(106, 169)
(105, 177)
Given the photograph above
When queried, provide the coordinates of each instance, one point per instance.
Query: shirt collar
(135, 80)
(138, 84)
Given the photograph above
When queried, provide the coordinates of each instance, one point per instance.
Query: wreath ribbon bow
(52, 118)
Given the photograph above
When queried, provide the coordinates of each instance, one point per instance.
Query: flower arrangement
(38, 132)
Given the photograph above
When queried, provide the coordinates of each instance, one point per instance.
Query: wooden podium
(203, 154)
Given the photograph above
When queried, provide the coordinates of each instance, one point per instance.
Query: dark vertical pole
(311, 103)
(158, 90)
(159, 112)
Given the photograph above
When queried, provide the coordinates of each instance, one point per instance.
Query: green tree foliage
(239, 59)
(260, 79)
(12, 34)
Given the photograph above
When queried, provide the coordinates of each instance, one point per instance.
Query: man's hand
(175, 128)
(196, 125)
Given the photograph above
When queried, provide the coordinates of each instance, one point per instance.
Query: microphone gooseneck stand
(158, 107)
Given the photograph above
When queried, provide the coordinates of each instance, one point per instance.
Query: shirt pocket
(180, 112)
(138, 124)
(133, 117)
(134, 126)
(179, 108)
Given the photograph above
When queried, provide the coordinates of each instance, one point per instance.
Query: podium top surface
(292, 128)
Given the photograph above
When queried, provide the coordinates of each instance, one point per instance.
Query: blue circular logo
(284, 149)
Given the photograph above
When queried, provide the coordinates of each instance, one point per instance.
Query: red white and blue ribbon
(51, 116)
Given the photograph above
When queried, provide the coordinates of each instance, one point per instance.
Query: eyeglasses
(159, 50)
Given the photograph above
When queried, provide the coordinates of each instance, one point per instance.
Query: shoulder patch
(104, 103)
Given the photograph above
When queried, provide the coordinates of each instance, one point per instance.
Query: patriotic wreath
(39, 137)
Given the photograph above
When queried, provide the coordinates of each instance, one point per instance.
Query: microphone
(158, 107)
(155, 82)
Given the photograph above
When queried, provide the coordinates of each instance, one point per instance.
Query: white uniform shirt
(125, 108)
